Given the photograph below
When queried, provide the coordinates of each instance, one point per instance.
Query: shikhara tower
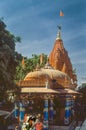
(60, 60)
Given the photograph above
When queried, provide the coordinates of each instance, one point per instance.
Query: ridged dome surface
(49, 73)
(55, 78)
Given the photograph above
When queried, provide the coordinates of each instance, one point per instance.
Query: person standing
(29, 126)
(39, 125)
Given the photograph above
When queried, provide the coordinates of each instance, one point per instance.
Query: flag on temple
(61, 13)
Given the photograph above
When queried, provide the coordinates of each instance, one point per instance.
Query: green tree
(7, 59)
(29, 65)
(82, 89)
(74, 71)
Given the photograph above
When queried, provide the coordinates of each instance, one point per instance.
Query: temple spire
(59, 33)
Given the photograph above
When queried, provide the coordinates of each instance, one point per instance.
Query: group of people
(32, 123)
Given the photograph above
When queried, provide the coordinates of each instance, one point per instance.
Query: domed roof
(40, 77)
(35, 74)
(46, 73)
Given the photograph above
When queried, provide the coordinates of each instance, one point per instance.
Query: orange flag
(61, 13)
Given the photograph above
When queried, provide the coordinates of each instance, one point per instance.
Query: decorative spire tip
(59, 33)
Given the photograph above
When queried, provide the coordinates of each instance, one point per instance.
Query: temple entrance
(36, 105)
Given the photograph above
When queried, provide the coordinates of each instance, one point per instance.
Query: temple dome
(49, 73)
(55, 78)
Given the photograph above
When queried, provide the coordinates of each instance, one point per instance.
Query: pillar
(51, 111)
(72, 107)
(45, 122)
(67, 110)
(22, 112)
(16, 111)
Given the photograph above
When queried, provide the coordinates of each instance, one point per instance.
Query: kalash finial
(58, 34)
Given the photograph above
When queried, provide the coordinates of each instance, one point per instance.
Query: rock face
(60, 60)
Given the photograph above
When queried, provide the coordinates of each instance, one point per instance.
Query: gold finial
(59, 34)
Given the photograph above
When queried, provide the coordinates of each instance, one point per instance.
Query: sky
(35, 21)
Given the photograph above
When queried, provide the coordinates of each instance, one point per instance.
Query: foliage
(11, 67)
(74, 71)
(82, 89)
(83, 85)
(28, 66)
(8, 59)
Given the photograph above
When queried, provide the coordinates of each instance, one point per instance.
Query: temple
(55, 82)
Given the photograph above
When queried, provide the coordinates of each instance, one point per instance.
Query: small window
(54, 80)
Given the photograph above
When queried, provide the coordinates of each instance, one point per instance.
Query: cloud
(35, 47)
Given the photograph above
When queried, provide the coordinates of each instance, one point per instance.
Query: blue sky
(35, 21)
